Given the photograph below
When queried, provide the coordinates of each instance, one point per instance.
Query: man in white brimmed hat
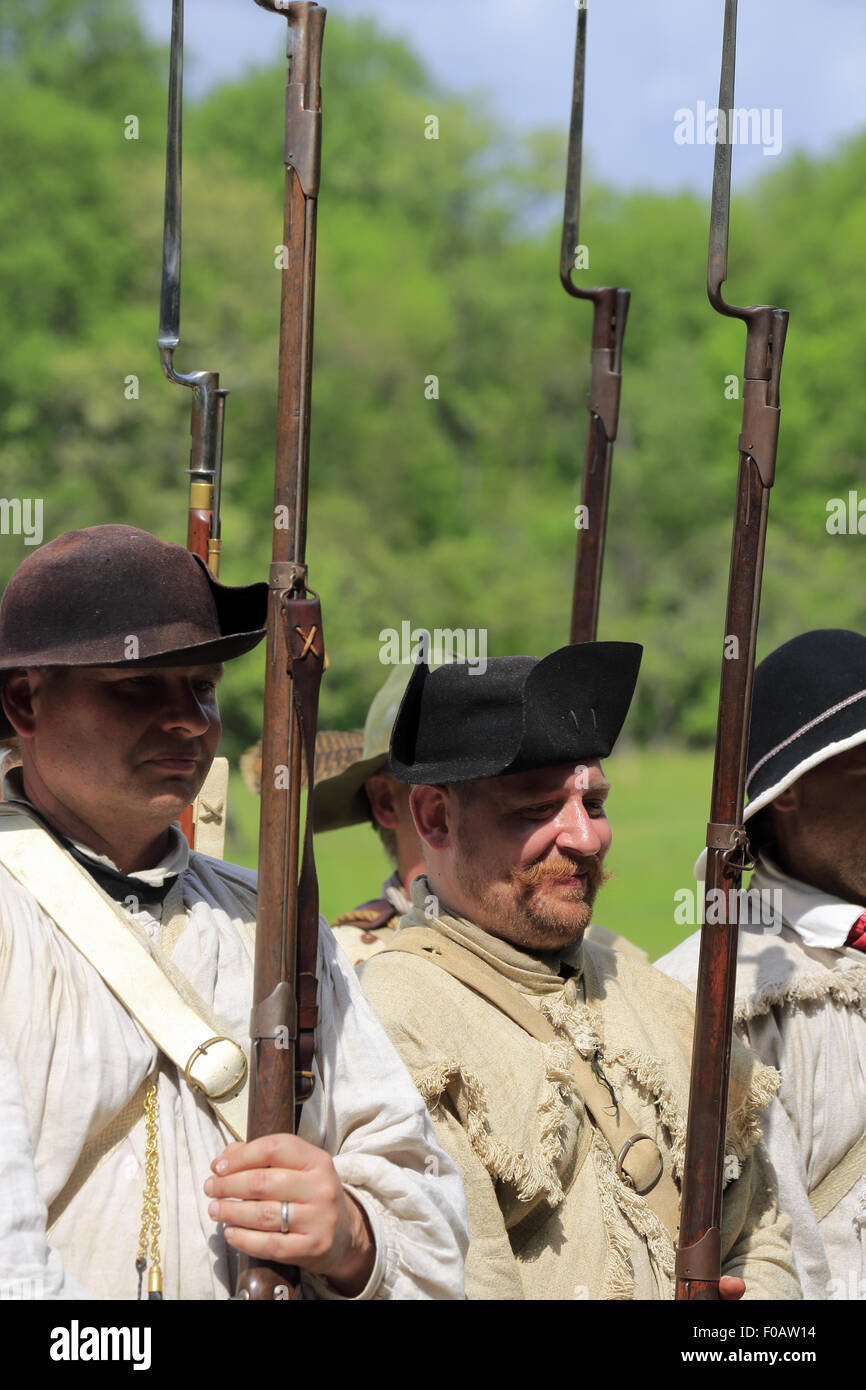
(801, 974)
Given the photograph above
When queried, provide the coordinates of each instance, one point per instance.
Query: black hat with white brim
(808, 705)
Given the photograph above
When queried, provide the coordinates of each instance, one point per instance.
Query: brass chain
(150, 1197)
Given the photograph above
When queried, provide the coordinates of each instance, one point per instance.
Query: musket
(698, 1256)
(284, 990)
(610, 308)
(208, 399)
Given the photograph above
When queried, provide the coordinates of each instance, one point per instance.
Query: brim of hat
(202, 654)
(815, 759)
(336, 750)
(341, 801)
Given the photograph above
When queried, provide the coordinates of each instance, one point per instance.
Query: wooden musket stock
(698, 1257)
(284, 990)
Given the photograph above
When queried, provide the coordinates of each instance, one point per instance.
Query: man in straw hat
(801, 970)
(555, 1069)
(361, 788)
(364, 790)
(126, 973)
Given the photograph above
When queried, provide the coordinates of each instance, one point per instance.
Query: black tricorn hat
(808, 705)
(117, 596)
(460, 723)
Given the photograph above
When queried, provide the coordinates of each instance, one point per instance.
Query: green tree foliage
(448, 503)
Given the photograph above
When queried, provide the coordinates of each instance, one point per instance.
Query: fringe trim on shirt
(618, 1279)
(845, 987)
(567, 1013)
(623, 1208)
(531, 1174)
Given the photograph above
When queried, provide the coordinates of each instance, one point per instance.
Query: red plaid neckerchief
(857, 935)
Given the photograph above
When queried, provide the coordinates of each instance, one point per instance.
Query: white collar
(818, 918)
(174, 861)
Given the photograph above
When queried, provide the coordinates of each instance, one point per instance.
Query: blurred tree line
(437, 258)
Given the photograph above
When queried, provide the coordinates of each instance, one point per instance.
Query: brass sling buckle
(233, 1084)
(622, 1155)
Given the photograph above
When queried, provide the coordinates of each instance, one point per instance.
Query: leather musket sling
(638, 1159)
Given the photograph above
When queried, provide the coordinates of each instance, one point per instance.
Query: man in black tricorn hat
(126, 976)
(801, 969)
(556, 1070)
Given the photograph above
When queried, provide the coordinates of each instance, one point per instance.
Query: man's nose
(184, 709)
(578, 831)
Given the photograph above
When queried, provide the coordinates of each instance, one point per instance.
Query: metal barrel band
(632, 1140)
(201, 1051)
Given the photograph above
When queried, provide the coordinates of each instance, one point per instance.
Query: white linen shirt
(74, 1058)
(800, 1003)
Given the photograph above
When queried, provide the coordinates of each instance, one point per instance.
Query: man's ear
(380, 794)
(431, 811)
(17, 699)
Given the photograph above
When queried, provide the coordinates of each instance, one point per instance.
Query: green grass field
(658, 808)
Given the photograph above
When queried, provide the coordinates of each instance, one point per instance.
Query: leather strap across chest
(149, 987)
(638, 1158)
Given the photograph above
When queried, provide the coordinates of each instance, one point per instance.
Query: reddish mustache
(182, 754)
(560, 872)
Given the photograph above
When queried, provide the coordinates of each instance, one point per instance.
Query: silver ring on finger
(285, 1217)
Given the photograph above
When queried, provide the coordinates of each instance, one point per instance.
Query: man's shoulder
(369, 916)
(602, 936)
(642, 985)
(414, 994)
(235, 875)
(774, 967)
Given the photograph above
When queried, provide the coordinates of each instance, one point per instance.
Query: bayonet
(208, 399)
(610, 308)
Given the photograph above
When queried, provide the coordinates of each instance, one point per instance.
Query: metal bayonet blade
(571, 215)
(169, 302)
(720, 208)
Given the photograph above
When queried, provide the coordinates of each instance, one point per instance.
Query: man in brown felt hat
(126, 976)
(556, 1070)
(360, 787)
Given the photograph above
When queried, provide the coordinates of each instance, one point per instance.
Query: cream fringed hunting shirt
(801, 1004)
(74, 1061)
(548, 1216)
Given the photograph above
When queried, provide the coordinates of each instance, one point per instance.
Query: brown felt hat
(117, 596)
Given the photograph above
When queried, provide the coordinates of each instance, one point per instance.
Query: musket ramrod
(610, 307)
(284, 989)
(699, 1256)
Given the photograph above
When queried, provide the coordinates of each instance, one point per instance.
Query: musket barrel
(699, 1253)
(284, 988)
